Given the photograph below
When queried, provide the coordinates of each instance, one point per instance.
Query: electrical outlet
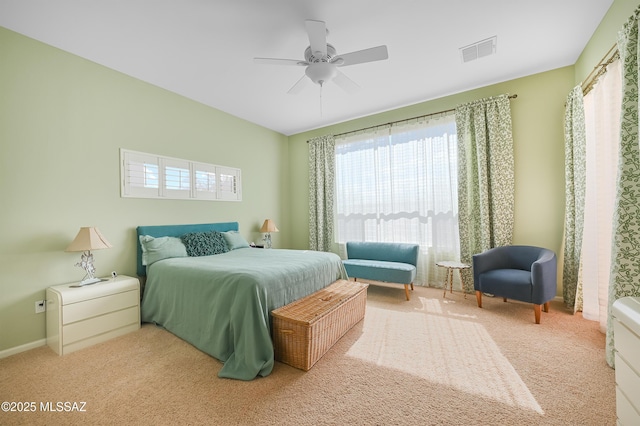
(40, 306)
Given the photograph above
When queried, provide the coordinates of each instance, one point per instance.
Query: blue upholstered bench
(387, 262)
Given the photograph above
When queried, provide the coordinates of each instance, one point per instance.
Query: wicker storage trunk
(303, 331)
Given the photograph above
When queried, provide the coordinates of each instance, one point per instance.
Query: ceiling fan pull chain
(321, 100)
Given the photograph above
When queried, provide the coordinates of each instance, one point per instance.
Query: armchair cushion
(393, 272)
(509, 283)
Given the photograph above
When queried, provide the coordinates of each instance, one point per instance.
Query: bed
(221, 303)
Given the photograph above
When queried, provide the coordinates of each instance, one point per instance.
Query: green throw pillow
(204, 243)
(154, 249)
(235, 240)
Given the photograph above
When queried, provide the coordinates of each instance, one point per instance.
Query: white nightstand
(78, 317)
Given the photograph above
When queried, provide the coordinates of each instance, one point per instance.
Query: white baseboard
(22, 348)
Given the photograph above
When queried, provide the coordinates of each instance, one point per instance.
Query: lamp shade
(268, 226)
(88, 238)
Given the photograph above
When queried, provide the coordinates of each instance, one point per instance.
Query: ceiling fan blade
(317, 31)
(345, 83)
(275, 61)
(378, 53)
(300, 84)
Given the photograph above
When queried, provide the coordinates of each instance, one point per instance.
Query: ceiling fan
(322, 61)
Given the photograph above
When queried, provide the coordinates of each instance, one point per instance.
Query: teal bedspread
(221, 304)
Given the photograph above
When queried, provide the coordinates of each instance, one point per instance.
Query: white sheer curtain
(602, 107)
(399, 184)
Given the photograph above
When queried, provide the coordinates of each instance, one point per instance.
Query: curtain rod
(600, 69)
(391, 123)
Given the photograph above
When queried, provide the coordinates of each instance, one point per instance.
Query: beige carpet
(430, 361)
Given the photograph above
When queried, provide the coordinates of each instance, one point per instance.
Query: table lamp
(268, 227)
(88, 238)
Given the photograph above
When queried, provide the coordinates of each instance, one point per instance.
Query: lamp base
(89, 281)
(267, 240)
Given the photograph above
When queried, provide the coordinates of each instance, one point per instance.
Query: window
(205, 181)
(153, 176)
(177, 179)
(229, 180)
(399, 184)
(141, 174)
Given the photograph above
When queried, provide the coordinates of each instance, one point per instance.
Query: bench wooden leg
(479, 298)
(406, 291)
(545, 307)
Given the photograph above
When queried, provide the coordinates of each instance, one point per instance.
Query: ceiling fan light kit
(321, 60)
(319, 72)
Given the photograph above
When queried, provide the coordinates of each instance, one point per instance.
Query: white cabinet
(78, 317)
(626, 332)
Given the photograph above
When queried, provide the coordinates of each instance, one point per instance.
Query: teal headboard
(176, 231)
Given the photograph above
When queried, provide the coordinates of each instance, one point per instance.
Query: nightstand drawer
(100, 306)
(627, 380)
(98, 325)
(627, 415)
(627, 344)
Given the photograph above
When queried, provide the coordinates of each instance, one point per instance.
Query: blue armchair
(523, 273)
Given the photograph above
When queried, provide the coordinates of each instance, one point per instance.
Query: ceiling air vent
(479, 50)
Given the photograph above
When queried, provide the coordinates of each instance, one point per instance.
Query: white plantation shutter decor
(228, 183)
(153, 176)
(141, 174)
(177, 179)
(205, 181)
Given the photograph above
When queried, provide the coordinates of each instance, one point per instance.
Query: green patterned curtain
(485, 176)
(322, 155)
(625, 256)
(575, 164)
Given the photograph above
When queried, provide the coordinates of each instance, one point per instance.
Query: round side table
(450, 265)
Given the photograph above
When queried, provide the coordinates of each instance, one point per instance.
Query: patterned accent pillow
(204, 243)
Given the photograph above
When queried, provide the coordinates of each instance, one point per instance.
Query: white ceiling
(204, 49)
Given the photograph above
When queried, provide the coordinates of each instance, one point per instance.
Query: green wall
(63, 120)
